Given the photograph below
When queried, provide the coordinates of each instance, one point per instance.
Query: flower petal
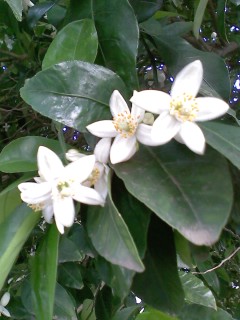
(144, 135)
(101, 186)
(60, 227)
(103, 129)
(137, 113)
(102, 150)
(4, 311)
(49, 164)
(35, 193)
(73, 155)
(164, 128)
(188, 80)
(151, 100)
(47, 212)
(210, 108)
(5, 299)
(64, 211)
(117, 104)
(192, 136)
(123, 149)
(88, 196)
(80, 169)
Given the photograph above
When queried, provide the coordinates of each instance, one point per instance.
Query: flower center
(184, 107)
(94, 176)
(36, 207)
(125, 124)
(64, 188)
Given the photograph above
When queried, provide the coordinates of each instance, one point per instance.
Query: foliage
(165, 245)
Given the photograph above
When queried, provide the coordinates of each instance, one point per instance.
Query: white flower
(26, 4)
(99, 175)
(57, 186)
(125, 128)
(3, 302)
(179, 110)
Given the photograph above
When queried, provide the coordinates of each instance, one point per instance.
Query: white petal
(117, 104)
(49, 164)
(64, 211)
(164, 128)
(210, 108)
(88, 196)
(101, 186)
(60, 227)
(47, 212)
(5, 299)
(4, 311)
(137, 113)
(151, 100)
(73, 155)
(144, 135)
(102, 129)
(192, 136)
(35, 193)
(79, 170)
(123, 149)
(188, 80)
(102, 150)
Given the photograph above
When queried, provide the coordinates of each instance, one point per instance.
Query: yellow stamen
(184, 107)
(125, 124)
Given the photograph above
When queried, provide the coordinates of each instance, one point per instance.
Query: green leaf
(144, 9)
(68, 251)
(9, 202)
(16, 7)
(224, 138)
(20, 155)
(105, 303)
(199, 17)
(196, 188)
(236, 2)
(44, 274)
(37, 11)
(88, 310)
(111, 238)
(152, 314)
(196, 312)
(126, 313)
(64, 307)
(77, 41)
(159, 285)
(14, 230)
(78, 93)
(69, 275)
(196, 292)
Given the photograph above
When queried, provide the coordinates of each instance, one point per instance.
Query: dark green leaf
(159, 285)
(111, 237)
(104, 304)
(78, 93)
(126, 313)
(77, 41)
(16, 7)
(196, 312)
(224, 138)
(44, 273)
(144, 9)
(20, 155)
(69, 275)
(8, 202)
(152, 314)
(64, 307)
(14, 230)
(68, 251)
(37, 11)
(196, 188)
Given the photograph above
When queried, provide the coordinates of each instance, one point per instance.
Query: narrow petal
(151, 100)
(47, 212)
(102, 150)
(5, 299)
(102, 129)
(4, 311)
(137, 113)
(123, 149)
(117, 104)
(88, 196)
(35, 193)
(49, 164)
(79, 170)
(192, 136)
(73, 155)
(64, 211)
(144, 135)
(101, 186)
(188, 80)
(164, 128)
(210, 108)
(60, 227)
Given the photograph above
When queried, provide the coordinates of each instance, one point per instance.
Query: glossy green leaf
(77, 41)
(37, 11)
(183, 250)
(126, 313)
(20, 155)
(16, 7)
(64, 307)
(106, 304)
(236, 2)
(14, 230)
(69, 275)
(196, 188)
(196, 312)
(44, 274)
(196, 292)
(159, 285)
(224, 138)
(199, 17)
(68, 251)
(9, 202)
(152, 314)
(78, 93)
(111, 237)
(144, 9)
(116, 277)
(88, 310)
(215, 78)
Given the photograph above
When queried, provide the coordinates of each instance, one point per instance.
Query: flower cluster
(154, 119)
